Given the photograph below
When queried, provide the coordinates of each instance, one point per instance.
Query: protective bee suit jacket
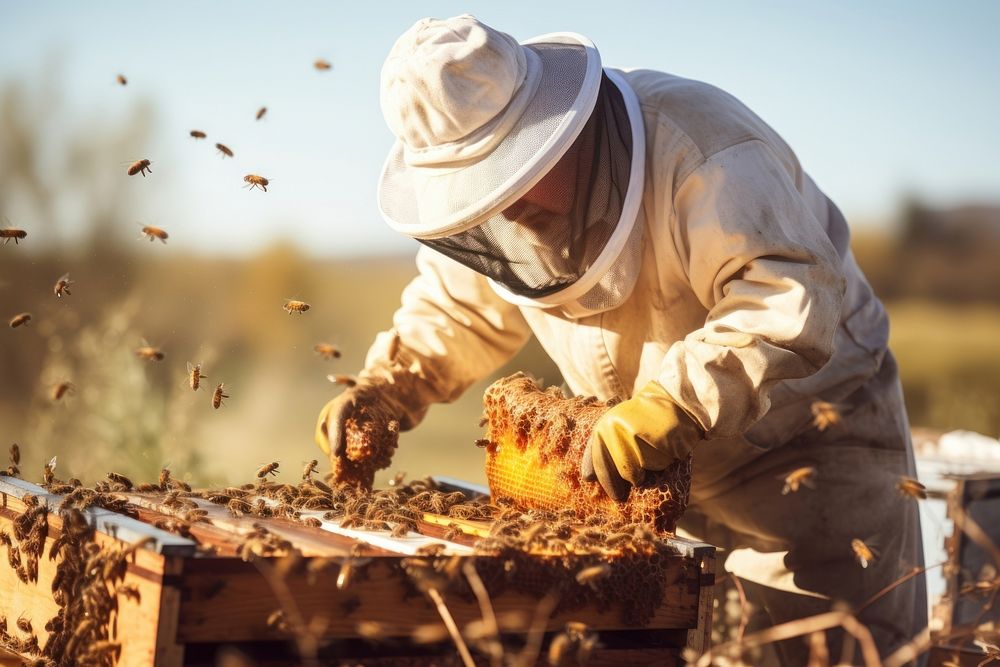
(748, 308)
(746, 291)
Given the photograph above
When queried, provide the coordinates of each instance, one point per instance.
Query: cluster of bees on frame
(149, 352)
(827, 415)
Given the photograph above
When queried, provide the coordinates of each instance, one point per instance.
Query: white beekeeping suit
(651, 231)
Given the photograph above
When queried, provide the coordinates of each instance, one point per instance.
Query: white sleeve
(762, 265)
(454, 330)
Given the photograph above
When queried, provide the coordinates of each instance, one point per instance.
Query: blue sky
(880, 100)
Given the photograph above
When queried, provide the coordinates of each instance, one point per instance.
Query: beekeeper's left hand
(647, 432)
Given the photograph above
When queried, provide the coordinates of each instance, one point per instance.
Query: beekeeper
(665, 247)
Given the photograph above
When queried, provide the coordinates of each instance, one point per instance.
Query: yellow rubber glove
(647, 432)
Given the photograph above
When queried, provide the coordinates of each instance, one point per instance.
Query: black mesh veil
(547, 239)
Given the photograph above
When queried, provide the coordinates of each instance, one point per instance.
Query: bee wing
(52, 462)
(63, 278)
(190, 366)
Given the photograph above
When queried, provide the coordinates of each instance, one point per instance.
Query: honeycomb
(535, 444)
(372, 434)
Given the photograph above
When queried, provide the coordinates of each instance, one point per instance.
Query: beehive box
(348, 594)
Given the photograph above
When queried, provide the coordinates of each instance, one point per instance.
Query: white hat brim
(427, 202)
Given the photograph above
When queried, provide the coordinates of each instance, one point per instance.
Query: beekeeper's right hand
(331, 436)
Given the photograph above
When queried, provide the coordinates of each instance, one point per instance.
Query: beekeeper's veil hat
(521, 161)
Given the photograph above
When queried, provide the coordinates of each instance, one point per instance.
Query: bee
(825, 415)
(864, 554)
(121, 80)
(322, 65)
(393, 349)
(152, 233)
(19, 319)
(195, 376)
(218, 395)
(327, 351)
(120, 479)
(149, 353)
(224, 150)
(340, 378)
(483, 443)
(129, 592)
(911, 488)
(62, 285)
(15, 453)
(269, 469)
(139, 167)
(254, 181)
(309, 469)
(239, 507)
(590, 575)
(11, 233)
(24, 625)
(312, 521)
(347, 569)
(261, 112)
(397, 479)
(276, 620)
(60, 389)
(48, 472)
(293, 306)
(198, 134)
(797, 478)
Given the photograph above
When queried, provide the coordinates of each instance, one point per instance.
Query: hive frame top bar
(687, 548)
(116, 525)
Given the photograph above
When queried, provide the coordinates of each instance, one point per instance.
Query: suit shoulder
(710, 117)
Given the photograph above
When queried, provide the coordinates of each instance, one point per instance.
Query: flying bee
(327, 351)
(911, 488)
(825, 415)
(322, 65)
(48, 472)
(15, 453)
(340, 378)
(864, 554)
(269, 469)
(294, 306)
(139, 167)
(121, 80)
(224, 150)
(9, 233)
(397, 479)
(195, 376)
(198, 134)
(152, 233)
(62, 285)
(149, 353)
(60, 389)
(24, 625)
(797, 478)
(261, 112)
(19, 319)
(255, 181)
(309, 469)
(218, 395)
